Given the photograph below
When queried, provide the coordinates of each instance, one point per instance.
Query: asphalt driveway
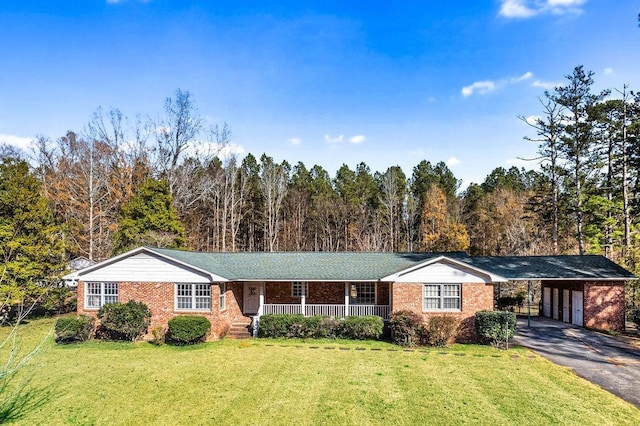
(612, 364)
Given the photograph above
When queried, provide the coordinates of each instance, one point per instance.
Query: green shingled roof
(552, 267)
(303, 266)
(362, 266)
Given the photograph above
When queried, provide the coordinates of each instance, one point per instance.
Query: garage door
(565, 305)
(546, 302)
(556, 298)
(576, 308)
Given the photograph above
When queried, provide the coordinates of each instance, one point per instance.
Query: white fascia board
(78, 274)
(444, 259)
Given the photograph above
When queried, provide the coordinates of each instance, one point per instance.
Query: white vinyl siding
(193, 297)
(299, 289)
(98, 294)
(441, 297)
(363, 294)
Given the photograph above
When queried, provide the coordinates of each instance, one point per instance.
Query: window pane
(93, 301)
(431, 291)
(203, 302)
(111, 289)
(93, 288)
(298, 288)
(451, 303)
(184, 302)
(365, 294)
(184, 290)
(451, 290)
(431, 303)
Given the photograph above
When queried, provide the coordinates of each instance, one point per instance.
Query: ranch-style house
(234, 289)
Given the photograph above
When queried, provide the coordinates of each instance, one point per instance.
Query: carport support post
(528, 303)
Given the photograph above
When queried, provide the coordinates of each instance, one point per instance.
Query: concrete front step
(240, 330)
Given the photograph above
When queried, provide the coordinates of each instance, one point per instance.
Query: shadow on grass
(16, 404)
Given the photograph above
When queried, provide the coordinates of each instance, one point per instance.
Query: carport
(587, 291)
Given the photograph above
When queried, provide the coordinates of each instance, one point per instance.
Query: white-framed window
(299, 289)
(441, 297)
(223, 296)
(98, 294)
(363, 294)
(193, 297)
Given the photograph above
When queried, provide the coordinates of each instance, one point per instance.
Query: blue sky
(323, 82)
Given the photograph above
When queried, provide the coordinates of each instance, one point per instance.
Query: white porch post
(261, 298)
(303, 298)
(346, 299)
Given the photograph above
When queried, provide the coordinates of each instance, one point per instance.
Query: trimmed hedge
(74, 329)
(188, 329)
(299, 326)
(493, 327)
(439, 330)
(124, 321)
(361, 328)
(406, 328)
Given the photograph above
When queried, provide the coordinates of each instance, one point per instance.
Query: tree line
(119, 183)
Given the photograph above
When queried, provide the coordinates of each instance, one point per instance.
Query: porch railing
(325, 309)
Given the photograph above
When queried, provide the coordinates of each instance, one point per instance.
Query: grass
(313, 382)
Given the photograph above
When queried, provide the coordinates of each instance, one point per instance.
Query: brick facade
(475, 297)
(603, 302)
(331, 293)
(160, 298)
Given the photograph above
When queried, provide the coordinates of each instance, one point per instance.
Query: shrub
(405, 328)
(74, 329)
(188, 329)
(318, 326)
(439, 330)
(634, 316)
(278, 325)
(124, 321)
(361, 328)
(494, 327)
(159, 334)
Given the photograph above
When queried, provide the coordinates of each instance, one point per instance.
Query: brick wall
(603, 302)
(475, 297)
(160, 298)
(604, 306)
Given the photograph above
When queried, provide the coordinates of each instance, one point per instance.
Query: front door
(251, 298)
(565, 305)
(577, 305)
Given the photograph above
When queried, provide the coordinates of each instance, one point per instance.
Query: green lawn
(328, 382)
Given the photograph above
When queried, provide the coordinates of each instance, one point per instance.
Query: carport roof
(520, 268)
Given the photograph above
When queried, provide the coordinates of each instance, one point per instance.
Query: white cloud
(516, 9)
(481, 87)
(453, 161)
(17, 141)
(532, 119)
(608, 71)
(526, 76)
(357, 139)
(544, 84)
(529, 8)
(487, 86)
(295, 141)
(332, 140)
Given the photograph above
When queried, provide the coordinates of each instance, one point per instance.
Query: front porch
(333, 299)
(327, 310)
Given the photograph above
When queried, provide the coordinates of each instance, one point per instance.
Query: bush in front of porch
(299, 326)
